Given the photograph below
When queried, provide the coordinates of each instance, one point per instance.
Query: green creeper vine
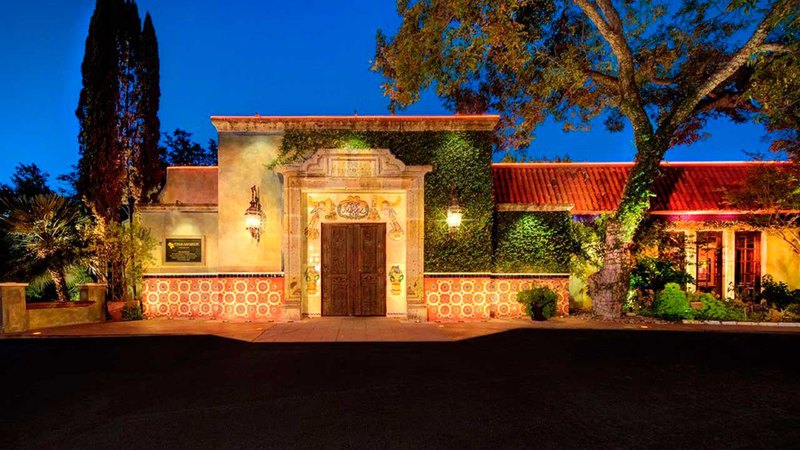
(541, 242)
(486, 241)
(460, 158)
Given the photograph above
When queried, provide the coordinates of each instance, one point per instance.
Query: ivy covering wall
(463, 159)
(534, 242)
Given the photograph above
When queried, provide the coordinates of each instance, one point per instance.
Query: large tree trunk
(609, 287)
(60, 280)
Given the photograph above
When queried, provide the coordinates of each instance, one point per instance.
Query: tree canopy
(181, 150)
(664, 68)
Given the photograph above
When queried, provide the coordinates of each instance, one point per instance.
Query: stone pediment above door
(351, 163)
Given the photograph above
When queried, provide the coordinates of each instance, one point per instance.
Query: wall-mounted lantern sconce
(454, 212)
(254, 216)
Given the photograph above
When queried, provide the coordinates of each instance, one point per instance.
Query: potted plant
(126, 249)
(540, 302)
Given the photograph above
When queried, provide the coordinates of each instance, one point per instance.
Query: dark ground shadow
(522, 388)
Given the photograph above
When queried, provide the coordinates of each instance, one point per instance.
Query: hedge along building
(328, 216)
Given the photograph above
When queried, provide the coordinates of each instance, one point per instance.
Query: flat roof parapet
(260, 124)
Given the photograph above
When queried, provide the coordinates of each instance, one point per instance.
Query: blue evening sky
(240, 57)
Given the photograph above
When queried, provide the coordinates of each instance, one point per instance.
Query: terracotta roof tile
(593, 188)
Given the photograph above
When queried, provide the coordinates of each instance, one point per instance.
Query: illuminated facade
(342, 231)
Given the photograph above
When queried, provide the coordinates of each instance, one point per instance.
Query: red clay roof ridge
(630, 163)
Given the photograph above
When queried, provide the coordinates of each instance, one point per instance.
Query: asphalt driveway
(523, 388)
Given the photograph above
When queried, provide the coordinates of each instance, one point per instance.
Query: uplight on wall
(253, 215)
(454, 212)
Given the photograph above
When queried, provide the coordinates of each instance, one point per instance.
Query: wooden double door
(353, 269)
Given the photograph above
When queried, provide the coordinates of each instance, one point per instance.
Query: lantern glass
(454, 215)
(253, 215)
(252, 220)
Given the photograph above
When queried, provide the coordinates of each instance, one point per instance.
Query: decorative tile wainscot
(468, 297)
(251, 296)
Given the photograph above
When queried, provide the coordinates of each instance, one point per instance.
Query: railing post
(13, 311)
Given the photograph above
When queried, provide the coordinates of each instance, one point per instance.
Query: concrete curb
(733, 322)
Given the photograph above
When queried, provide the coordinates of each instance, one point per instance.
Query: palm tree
(45, 231)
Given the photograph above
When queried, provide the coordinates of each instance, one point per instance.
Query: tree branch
(751, 47)
(609, 25)
(604, 79)
(774, 48)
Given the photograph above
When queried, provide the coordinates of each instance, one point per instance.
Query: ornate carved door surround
(351, 171)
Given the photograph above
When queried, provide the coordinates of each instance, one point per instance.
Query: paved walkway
(362, 329)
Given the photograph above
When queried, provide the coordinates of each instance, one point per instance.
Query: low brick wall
(254, 297)
(466, 297)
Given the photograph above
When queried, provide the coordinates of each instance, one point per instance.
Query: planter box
(115, 310)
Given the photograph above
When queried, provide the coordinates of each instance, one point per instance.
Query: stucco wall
(243, 160)
(782, 263)
(54, 315)
(178, 223)
(190, 186)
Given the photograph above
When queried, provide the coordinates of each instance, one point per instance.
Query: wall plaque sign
(352, 168)
(183, 250)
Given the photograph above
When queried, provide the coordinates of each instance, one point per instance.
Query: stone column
(13, 310)
(415, 248)
(292, 252)
(94, 292)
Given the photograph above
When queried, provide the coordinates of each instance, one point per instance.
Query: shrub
(42, 288)
(540, 302)
(793, 311)
(654, 274)
(715, 309)
(132, 312)
(777, 293)
(44, 231)
(672, 303)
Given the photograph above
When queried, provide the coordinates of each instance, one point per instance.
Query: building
(398, 216)
(709, 238)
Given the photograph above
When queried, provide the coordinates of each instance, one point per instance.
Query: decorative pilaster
(292, 246)
(415, 253)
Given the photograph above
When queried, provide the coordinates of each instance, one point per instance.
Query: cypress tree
(129, 119)
(120, 161)
(101, 167)
(150, 165)
(119, 156)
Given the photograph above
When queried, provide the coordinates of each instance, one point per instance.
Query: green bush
(132, 312)
(672, 303)
(540, 302)
(714, 309)
(793, 311)
(535, 242)
(777, 293)
(654, 274)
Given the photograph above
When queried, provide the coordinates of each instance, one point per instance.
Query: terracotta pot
(115, 310)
